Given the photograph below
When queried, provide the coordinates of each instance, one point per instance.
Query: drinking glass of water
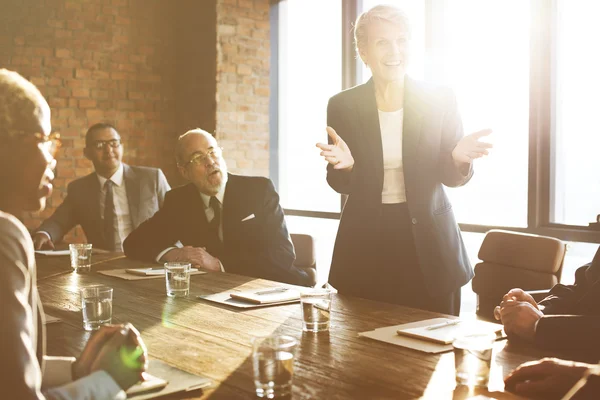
(473, 358)
(273, 365)
(316, 309)
(81, 257)
(96, 306)
(177, 276)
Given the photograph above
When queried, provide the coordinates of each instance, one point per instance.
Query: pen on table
(269, 291)
(443, 324)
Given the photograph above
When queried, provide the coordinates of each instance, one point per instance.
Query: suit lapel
(194, 211)
(230, 207)
(369, 133)
(132, 187)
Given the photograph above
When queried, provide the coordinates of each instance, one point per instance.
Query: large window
(526, 69)
(310, 72)
(486, 61)
(576, 149)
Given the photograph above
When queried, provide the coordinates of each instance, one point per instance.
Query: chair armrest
(312, 275)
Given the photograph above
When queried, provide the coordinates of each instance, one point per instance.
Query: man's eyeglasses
(202, 158)
(51, 143)
(103, 144)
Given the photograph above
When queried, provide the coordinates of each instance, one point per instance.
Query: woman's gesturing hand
(470, 148)
(337, 154)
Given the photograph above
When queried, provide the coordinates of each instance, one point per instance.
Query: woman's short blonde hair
(376, 14)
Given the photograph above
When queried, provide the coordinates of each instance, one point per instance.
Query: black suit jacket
(432, 128)
(259, 246)
(572, 312)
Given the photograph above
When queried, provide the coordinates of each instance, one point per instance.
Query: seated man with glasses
(225, 222)
(109, 203)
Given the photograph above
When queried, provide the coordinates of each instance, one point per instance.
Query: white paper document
(389, 334)
(49, 319)
(225, 298)
(53, 252)
(151, 271)
(267, 296)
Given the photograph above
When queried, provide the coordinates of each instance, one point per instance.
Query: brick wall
(96, 60)
(242, 124)
(153, 68)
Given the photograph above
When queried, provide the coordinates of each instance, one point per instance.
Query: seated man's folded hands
(197, 256)
(519, 314)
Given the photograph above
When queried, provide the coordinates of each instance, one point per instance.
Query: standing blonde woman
(394, 142)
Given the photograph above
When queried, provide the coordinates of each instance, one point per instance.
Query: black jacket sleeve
(582, 298)
(154, 235)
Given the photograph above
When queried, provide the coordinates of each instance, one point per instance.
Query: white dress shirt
(390, 124)
(120, 201)
(210, 214)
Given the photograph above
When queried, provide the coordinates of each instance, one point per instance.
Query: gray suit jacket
(146, 188)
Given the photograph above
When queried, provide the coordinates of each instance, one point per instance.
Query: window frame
(542, 104)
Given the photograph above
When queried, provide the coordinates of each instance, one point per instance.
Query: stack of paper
(255, 298)
(432, 335)
(53, 252)
(151, 271)
(267, 296)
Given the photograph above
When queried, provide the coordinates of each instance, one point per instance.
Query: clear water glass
(273, 365)
(473, 358)
(177, 277)
(96, 306)
(81, 257)
(316, 310)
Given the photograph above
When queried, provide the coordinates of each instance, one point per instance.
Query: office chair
(515, 260)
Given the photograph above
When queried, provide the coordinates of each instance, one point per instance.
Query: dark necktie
(110, 218)
(213, 226)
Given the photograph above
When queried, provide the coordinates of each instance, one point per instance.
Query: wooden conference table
(213, 340)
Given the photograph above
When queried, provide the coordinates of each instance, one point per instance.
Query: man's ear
(183, 171)
(86, 153)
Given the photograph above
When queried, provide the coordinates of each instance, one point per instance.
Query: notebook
(177, 381)
(226, 299)
(150, 271)
(445, 330)
(267, 296)
(151, 383)
(53, 252)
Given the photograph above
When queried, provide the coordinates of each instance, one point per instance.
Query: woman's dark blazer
(432, 128)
